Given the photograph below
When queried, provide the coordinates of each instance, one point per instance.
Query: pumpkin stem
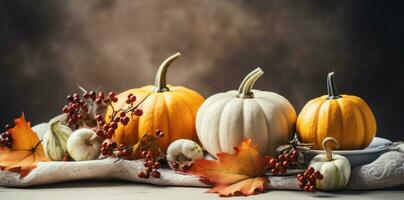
(327, 148)
(331, 87)
(244, 91)
(160, 84)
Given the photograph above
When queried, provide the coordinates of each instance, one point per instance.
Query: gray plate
(362, 156)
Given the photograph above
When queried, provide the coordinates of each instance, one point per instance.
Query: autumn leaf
(243, 172)
(26, 149)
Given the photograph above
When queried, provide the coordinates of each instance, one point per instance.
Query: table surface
(116, 190)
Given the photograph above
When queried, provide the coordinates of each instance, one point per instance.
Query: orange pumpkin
(346, 118)
(172, 109)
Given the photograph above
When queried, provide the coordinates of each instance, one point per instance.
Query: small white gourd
(54, 141)
(83, 144)
(184, 150)
(335, 169)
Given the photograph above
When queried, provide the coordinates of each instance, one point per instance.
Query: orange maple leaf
(26, 149)
(243, 172)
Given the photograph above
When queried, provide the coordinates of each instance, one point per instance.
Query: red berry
(307, 188)
(274, 171)
(138, 112)
(143, 154)
(107, 100)
(149, 156)
(133, 98)
(285, 164)
(122, 114)
(320, 177)
(278, 166)
(301, 185)
(92, 95)
(111, 94)
(281, 157)
(98, 101)
(272, 163)
(69, 98)
(156, 165)
(312, 189)
(141, 175)
(174, 165)
(312, 178)
(86, 95)
(125, 120)
(156, 174)
(283, 170)
(100, 132)
(149, 163)
(301, 179)
(114, 125)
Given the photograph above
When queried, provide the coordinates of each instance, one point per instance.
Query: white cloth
(386, 171)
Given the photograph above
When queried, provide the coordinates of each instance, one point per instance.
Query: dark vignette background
(48, 47)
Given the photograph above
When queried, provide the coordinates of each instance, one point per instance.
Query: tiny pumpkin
(335, 169)
(184, 151)
(225, 119)
(347, 118)
(172, 109)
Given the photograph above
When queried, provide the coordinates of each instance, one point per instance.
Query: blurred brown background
(48, 47)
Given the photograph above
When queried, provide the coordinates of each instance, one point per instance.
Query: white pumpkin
(335, 169)
(225, 119)
(83, 144)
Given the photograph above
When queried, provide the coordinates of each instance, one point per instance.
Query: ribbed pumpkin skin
(347, 119)
(336, 172)
(224, 120)
(172, 111)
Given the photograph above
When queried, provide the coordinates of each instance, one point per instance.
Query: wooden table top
(117, 190)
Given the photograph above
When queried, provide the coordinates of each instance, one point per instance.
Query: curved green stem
(244, 91)
(160, 84)
(331, 87)
(327, 149)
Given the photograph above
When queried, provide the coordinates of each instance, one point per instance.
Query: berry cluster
(147, 142)
(5, 138)
(151, 166)
(111, 148)
(108, 147)
(105, 130)
(78, 106)
(280, 164)
(307, 179)
(180, 166)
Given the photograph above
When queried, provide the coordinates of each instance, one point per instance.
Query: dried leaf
(241, 173)
(26, 150)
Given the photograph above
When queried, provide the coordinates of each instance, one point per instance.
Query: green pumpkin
(336, 169)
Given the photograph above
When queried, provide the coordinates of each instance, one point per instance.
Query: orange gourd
(346, 118)
(172, 109)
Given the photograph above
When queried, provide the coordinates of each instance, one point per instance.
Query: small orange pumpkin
(172, 109)
(346, 118)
